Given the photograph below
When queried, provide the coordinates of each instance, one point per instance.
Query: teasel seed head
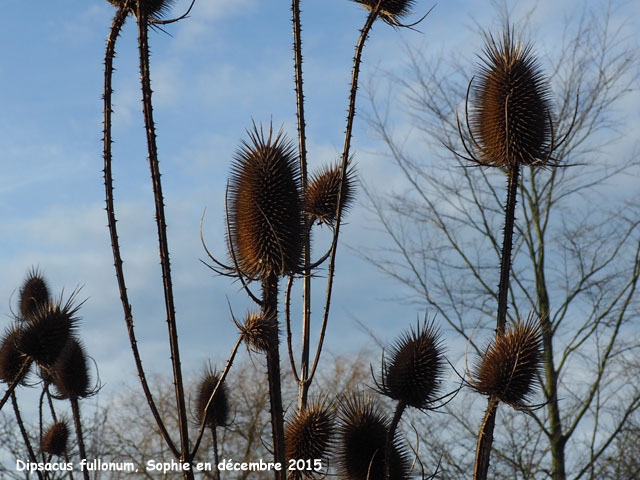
(34, 292)
(265, 214)
(321, 195)
(412, 372)
(47, 330)
(11, 359)
(56, 438)
(70, 372)
(509, 367)
(309, 433)
(390, 10)
(153, 9)
(259, 332)
(362, 438)
(510, 118)
(218, 413)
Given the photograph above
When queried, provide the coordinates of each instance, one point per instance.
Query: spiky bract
(509, 367)
(390, 10)
(34, 293)
(218, 412)
(411, 373)
(362, 441)
(11, 359)
(259, 332)
(70, 372)
(154, 9)
(510, 119)
(265, 218)
(308, 435)
(321, 195)
(56, 438)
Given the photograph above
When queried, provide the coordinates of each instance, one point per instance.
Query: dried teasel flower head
(56, 438)
(48, 329)
(259, 332)
(34, 292)
(11, 359)
(411, 373)
(510, 117)
(362, 438)
(308, 434)
(509, 367)
(218, 412)
(153, 9)
(265, 214)
(390, 10)
(321, 195)
(70, 372)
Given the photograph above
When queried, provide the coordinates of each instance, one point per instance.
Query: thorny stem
(485, 440)
(16, 381)
(214, 439)
(390, 434)
(147, 108)
(75, 408)
(118, 22)
(23, 431)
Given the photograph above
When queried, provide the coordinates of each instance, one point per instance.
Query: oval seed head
(56, 438)
(321, 196)
(509, 367)
(415, 365)
(362, 441)
(309, 433)
(218, 413)
(390, 10)
(70, 372)
(153, 9)
(265, 217)
(259, 332)
(11, 359)
(510, 115)
(34, 292)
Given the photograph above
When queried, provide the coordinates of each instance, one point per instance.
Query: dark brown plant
(508, 370)
(11, 359)
(321, 196)
(154, 9)
(70, 372)
(260, 333)
(34, 292)
(265, 215)
(390, 10)
(218, 412)
(309, 434)
(56, 438)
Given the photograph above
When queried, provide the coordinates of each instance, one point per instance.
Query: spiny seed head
(56, 438)
(390, 10)
(321, 195)
(218, 413)
(70, 371)
(309, 433)
(153, 9)
(362, 441)
(34, 292)
(11, 359)
(265, 215)
(412, 372)
(509, 367)
(47, 331)
(510, 118)
(259, 332)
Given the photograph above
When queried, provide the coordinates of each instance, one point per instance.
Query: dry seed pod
(218, 413)
(154, 9)
(11, 359)
(70, 372)
(510, 119)
(56, 438)
(321, 196)
(259, 332)
(362, 440)
(390, 10)
(265, 218)
(509, 367)
(34, 292)
(309, 433)
(411, 374)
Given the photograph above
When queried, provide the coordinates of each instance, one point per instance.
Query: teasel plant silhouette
(511, 127)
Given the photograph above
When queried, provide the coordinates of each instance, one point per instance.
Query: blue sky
(228, 63)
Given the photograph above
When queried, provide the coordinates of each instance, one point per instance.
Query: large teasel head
(321, 194)
(390, 10)
(508, 369)
(218, 412)
(264, 211)
(309, 433)
(11, 358)
(412, 371)
(56, 438)
(362, 438)
(153, 9)
(510, 115)
(34, 292)
(70, 372)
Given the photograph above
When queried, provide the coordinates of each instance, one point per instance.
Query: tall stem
(75, 408)
(485, 440)
(25, 435)
(390, 435)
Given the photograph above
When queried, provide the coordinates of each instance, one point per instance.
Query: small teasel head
(56, 438)
(362, 438)
(70, 372)
(259, 332)
(265, 211)
(321, 195)
(412, 371)
(11, 359)
(391, 11)
(510, 117)
(309, 433)
(153, 9)
(509, 367)
(34, 292)
(218, 413)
